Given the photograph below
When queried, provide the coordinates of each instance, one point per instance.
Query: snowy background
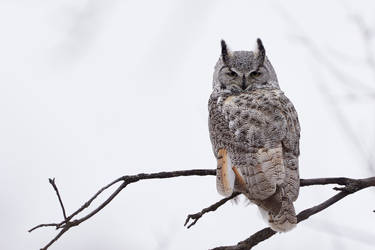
(92, 90)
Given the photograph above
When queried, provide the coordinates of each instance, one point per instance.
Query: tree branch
(303, 182)
(350, 186)
(213, 207)
(53, 183)
(67, 223)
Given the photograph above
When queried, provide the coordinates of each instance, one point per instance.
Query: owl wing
(256, 139)
(291, 148)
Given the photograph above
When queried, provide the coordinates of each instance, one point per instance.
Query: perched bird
(254, 131)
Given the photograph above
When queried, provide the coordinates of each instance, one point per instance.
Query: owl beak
(243, 82)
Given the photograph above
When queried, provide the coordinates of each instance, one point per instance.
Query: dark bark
(349, 186)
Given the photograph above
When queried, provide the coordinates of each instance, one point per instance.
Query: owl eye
(232, 74)
(255, 74)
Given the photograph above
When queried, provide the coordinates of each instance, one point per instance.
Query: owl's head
(243, 71)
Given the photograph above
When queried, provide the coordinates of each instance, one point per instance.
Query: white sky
(92, 90)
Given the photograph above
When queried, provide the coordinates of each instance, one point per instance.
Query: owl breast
(255, 119)
(260, 132)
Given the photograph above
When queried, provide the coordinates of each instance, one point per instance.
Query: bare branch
(56, 238)
(213, 207)
(351, 186)
(43, 225)
(303, 182)
(67, 223)
(325, 181)
(53, 183)
(253, 240)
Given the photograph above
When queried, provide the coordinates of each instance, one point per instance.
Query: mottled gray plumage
(255, 132)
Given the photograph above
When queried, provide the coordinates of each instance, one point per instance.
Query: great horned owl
(255, 133)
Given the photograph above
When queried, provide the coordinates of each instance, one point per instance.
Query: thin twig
(43, 225)
(213, 207)
(53, 183)
(88, 203)
(56, 238)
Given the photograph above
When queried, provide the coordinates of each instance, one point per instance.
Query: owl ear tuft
(224, 52)
(260, 52)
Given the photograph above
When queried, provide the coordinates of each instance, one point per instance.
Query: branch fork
(349, 186)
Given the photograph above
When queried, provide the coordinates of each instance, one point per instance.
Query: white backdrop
(92, 90)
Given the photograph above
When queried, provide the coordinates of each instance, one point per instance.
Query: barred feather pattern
(259, 131)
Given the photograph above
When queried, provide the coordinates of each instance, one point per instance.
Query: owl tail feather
(286, 219)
